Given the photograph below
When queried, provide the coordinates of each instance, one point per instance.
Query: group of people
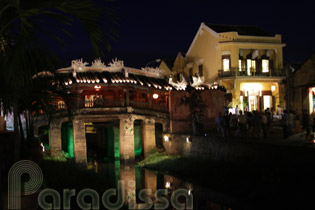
(244, 125)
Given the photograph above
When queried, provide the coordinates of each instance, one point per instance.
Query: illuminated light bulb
(155, 96)
(43, 147)
(88, 81)
(66, 83)
(167, 185)
(70, 82)
(98, 81)
(166, 138)
(93, 81)
(78, 81)
(84, 81)
(187, 139)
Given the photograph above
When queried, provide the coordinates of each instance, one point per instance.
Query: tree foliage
(32, 33)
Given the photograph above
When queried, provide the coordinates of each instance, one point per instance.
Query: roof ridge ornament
(157, 71)
(182, 85)
(197, 80)
(98, 64)
(116, 64)
(78, 65)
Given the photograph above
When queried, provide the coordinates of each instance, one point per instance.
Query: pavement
(295, 139)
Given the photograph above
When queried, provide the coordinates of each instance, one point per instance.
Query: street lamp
(156, 60)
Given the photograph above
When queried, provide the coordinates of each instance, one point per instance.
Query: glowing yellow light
(252, 87)
(97, 87)
(273, 88)
(188, 139)
(155, 96)
(167, 185)
(166, 138)
(43, 148)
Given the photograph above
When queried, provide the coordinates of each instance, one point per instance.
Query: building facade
(301, 88)
(247, 61)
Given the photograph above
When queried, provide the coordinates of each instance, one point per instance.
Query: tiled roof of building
(98, 77)
(240, 29)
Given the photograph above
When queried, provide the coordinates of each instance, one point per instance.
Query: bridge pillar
(148, 136)
(126, 139)
(55, 138)
(79, 141)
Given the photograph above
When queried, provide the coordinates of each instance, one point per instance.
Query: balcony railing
(251, 73)
(120, 103)
(102, 103)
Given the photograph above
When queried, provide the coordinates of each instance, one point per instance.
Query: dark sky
(160, 29)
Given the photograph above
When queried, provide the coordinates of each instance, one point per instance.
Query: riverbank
(254, 184)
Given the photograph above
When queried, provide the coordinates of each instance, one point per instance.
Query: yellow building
(247, 61)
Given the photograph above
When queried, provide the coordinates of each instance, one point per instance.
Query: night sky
(160, 29)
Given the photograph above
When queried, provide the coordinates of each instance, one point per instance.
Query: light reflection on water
(137, 178)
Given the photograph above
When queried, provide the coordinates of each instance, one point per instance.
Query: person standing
(226, 125)
(257, 125)
(242, 121)
(200, 120)
(264, 122)
(219, 121)
(195, 123)
(285, 124)
(237, 111)
(306, 124)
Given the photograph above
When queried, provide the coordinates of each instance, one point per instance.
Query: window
(190, 72)
(226, 62)
(254, 65)
(200, 70)
(265, 65)
(249, 66)
(61, 105)
(240, 65)
(89, 100)
(267, 101)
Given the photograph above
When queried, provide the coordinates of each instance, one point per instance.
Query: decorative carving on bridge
(128, 125)
(79, 65)
(179, 85)
(158, 72)
(98, 64)
(197, 81)
(116, 64)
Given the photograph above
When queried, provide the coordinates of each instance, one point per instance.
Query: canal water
(137, 179)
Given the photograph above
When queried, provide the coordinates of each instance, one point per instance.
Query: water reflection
(137, 179)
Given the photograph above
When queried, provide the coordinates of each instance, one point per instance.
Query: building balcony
(237, 72)
(122, 103)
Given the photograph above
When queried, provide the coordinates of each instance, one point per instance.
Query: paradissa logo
(36, 179)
